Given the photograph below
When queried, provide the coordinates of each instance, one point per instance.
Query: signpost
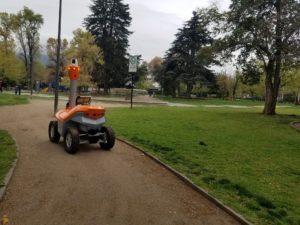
(132, 69)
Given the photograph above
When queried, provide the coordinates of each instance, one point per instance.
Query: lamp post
(57, 60)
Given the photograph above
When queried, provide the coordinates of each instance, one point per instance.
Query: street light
(57, 60)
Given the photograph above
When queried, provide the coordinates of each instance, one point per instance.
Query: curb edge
(292, 124)
(10, 173)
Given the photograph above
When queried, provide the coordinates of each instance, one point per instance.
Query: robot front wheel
(71, 137)
(108, 140)
(71, 140)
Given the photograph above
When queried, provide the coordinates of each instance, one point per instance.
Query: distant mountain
(44, 59)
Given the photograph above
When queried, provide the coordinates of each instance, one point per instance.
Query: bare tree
(27, 25)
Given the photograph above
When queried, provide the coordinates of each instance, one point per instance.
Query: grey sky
(154, 21)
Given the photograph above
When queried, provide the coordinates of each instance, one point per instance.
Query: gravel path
(92, 187)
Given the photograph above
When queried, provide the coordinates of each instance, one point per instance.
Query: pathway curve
(92, 187)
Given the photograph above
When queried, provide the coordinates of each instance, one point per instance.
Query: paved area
(137, 99)
(240, 106)
(92, 187)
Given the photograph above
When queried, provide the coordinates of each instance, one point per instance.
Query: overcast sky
(154, 22)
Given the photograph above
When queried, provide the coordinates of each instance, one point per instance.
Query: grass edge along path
(8, 99)
(216, 101)
(248, 161)
(8, 154)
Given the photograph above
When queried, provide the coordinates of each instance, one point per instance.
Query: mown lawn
(249, 161)
(7, 144)
(7, 99)
(7, 154)
(215, 101)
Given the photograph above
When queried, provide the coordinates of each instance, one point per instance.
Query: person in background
(16, 90)
(1, 86)
(19, 89)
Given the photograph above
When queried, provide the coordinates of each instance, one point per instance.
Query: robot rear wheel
(54, 136)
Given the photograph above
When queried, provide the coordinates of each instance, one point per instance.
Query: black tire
(109, 139)
(54, 136)
(71, 140)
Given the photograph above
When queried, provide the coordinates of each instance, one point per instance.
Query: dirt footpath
(92, 187)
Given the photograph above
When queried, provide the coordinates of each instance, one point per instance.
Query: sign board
(132, 64)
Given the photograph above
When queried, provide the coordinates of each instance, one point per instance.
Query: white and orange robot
(80, 122)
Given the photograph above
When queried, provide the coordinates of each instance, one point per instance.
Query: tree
(267, 32)
(6, 29)
(39, 71)
(234, 83)
(142, 71)
(158, 75)
(84, 49)
(223, 85)
(192, 43)
(109, 24)
(189, 40)
(292, 83)
(140, 77)
(153, 63)
(52, 58)
(27, 25)
(172, 72)
(228, 85)
(11, 70)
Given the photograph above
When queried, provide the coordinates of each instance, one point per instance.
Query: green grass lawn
(7, 144)
(215, 101)
(249, 161)
(7, 154)
(7, 99)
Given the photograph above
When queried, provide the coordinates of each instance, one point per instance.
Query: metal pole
(73, 90)
(131, 90)
(57, 60)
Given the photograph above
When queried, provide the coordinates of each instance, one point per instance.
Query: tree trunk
(178, 90)
(235, 87)
(105, 86)
(106, 80)
(273, 68)
(31, 74)
(272, 88)
(174, 91)
(270, 103)
(189, 88)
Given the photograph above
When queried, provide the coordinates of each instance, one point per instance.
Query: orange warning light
(73, 72)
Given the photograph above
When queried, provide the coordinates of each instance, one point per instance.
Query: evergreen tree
(108, 23)
(182, 61)
(171, 74)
